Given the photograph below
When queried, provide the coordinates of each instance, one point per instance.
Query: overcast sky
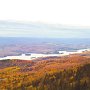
(14, 29)
(63, 12)
(72, 12)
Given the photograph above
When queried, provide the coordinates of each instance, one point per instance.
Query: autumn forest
(58, 73)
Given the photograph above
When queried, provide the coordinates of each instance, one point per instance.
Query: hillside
(58, 73)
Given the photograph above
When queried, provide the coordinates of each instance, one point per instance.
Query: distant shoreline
(32, 56)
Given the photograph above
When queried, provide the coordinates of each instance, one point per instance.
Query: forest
(59, 73)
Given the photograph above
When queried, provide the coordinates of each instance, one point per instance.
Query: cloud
(42, 30)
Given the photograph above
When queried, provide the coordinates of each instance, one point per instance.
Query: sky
(55, 12)
(40, 30)
(72, 12)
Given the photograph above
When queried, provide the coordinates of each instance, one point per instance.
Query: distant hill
(19, 45)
